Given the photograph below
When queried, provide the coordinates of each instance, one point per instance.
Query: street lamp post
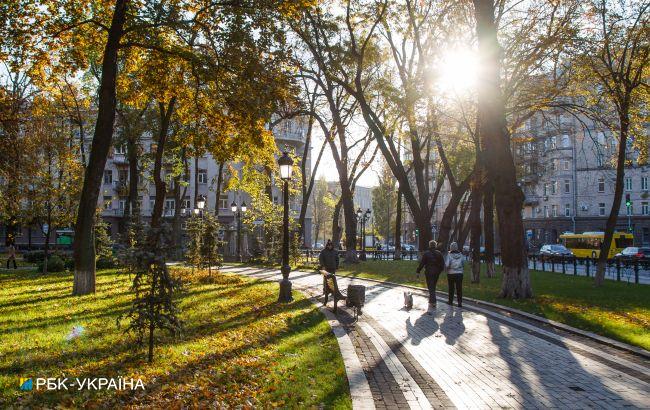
(237, 213)
(364, 217)
(286, 169)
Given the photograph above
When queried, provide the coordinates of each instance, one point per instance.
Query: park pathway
(474, 357)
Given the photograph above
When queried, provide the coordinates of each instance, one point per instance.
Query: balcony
(122, 187)
(120, 159)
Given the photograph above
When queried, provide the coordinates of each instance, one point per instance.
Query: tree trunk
(444, 233)
(495, 139)
(475, 227)
(398, 227)
(84, 243)
(610, 226)
(350, 218)
(46, 248)
(488, 228)
(219, 184)
(336, 226)
(132, 207)
(161, 188)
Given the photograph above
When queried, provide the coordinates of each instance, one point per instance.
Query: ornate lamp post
(200, 204)
(365, 216)
(286, 169)
(238, 213)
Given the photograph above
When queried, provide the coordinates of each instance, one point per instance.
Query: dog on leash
(408, 300)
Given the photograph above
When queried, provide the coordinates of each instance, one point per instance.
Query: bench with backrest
(330, 286)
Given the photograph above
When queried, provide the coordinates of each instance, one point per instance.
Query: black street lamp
(363, 217)
(237, 213)
(286, 169)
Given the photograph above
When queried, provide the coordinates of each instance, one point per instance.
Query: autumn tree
(612, 64)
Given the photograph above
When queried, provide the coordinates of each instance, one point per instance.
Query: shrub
(54, 264)
(34, 256)
(104, 262)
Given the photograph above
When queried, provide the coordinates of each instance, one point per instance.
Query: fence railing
(620, 269)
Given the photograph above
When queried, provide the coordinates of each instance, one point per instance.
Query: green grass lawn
(617, 310)
(239, 347)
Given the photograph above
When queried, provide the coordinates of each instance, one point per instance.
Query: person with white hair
(454, 266)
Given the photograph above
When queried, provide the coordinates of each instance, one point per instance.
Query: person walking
(12, 255)
(433, 263)
(454, 266)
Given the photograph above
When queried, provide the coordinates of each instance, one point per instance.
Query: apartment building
(201, 179)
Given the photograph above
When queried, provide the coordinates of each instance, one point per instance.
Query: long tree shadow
(547, 374)
(124, 360)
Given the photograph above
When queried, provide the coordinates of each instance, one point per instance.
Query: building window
(108, 202)
(567, 209)
(601, 209)
(123, 175)
(554, 211)
(565, 165)
(628, 184)
(170, 205)
(223, 201)
(567, 186)
(120, 149)
(644, 208)
(553, 142)
(545, 189)
(553, 168)
(185, 204)
(553, 187)
(545, 211)
(122, 205)
(601, 184)
(152, 202)
(108, 176)
(203, 176)
(644, 183)
(566, 141)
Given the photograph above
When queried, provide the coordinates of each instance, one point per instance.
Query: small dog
(408, 300)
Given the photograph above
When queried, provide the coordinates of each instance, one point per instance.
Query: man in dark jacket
(433, 263)
(329, 258)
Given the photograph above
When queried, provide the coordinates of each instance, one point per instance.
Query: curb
(590, 335)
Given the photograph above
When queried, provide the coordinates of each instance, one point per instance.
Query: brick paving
(474, 358)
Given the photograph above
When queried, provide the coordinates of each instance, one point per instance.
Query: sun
(457, 71)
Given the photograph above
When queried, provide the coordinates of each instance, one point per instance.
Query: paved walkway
(469, 357)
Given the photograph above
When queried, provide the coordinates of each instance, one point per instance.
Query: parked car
(408, 248)
(549, 251)
(318, 245)
(634, 252)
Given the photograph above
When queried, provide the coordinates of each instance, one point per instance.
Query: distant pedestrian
(433, 263)
(454, 266)
(12, 255)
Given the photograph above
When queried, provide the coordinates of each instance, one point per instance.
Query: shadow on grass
(120, 359)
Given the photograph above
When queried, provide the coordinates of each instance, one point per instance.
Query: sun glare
(457, 71)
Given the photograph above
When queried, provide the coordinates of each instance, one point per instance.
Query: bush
(34, 256)
(69, 263)
(54, 264)
(106, 263)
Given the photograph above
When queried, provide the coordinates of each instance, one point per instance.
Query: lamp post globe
(200, 202)
(286, 169)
